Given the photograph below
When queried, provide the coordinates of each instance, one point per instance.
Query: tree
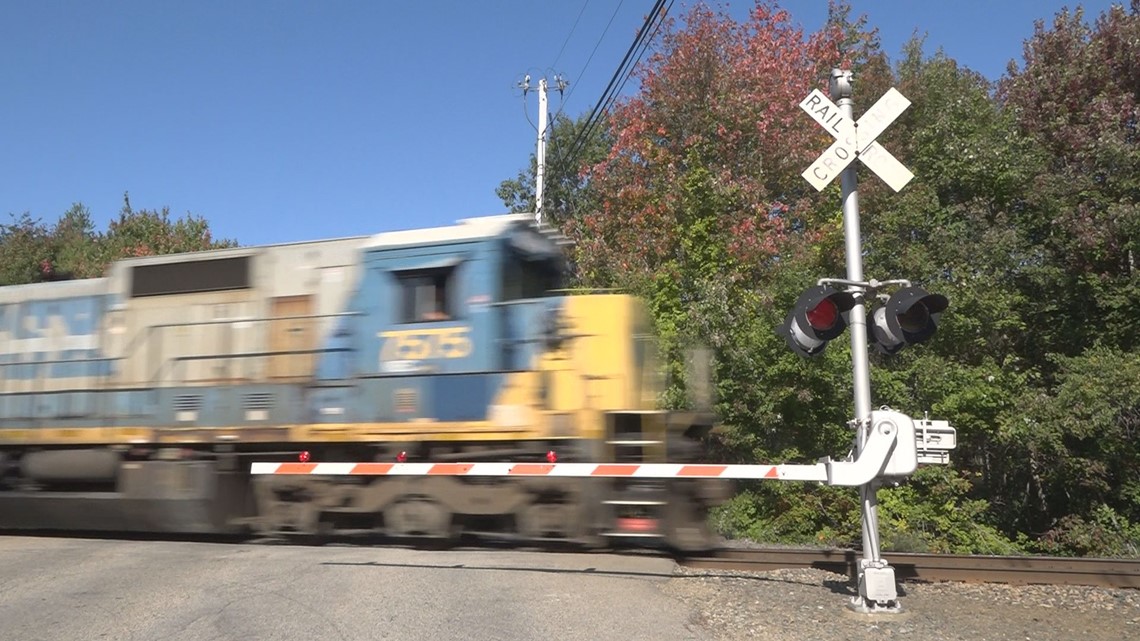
(719, 97)
(701, 209)
(1023, 212)
(31, 251)
(25, 245)
(1078, 98)
(1072, 444)
(573, 148)
(151, 232)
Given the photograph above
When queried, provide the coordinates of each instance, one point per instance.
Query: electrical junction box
(879, 584)
(934, 440)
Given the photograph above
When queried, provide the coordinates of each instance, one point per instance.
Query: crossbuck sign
(856, 139)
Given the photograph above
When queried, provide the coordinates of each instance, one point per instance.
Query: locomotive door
(292, 339)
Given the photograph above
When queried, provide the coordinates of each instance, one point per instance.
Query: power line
(629, 72)
(567, 41)
(621, 76)
(587, 65)
(644, 46)
(625, 68)
(562, 84)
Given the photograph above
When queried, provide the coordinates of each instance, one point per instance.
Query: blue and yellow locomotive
(138, 401)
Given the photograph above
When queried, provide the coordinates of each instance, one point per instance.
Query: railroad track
(1018, 570)
(1015, 570)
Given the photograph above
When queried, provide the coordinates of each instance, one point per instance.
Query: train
(138, 401)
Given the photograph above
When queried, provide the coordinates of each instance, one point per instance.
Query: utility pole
(540, 151)
(540, 154)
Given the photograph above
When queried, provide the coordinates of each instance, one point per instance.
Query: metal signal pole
(856, 141)
(876, 577)
(841, 93)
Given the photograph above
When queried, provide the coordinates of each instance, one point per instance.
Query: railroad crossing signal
(910, 316)
(856, 139)
(816, 319)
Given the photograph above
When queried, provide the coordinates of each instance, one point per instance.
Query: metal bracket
(882, 440)
(895, 446)
(865, 285)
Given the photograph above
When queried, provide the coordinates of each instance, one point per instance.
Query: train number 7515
(425, 344)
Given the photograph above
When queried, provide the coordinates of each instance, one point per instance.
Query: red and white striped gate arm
(872, 462)
(816, 472)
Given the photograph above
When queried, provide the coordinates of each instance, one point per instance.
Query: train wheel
(285, 509)
(545, 520)
(419, 516)
(686, 527)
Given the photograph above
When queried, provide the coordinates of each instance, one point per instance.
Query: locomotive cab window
(533, 266)
(426, 295)
(524, 279)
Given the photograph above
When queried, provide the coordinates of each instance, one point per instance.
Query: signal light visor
(816, 319)
(909, 317)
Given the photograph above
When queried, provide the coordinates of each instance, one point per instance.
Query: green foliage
(24, 245)
(1076, 100)
(31, 251)
(1024, 212)
(1076, 448)
(791, 513)
(566, 189)
(934, 512)
(1104, 533)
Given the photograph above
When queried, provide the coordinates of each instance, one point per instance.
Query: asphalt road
(64, 589)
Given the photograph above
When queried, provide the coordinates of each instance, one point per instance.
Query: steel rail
(1014, 570)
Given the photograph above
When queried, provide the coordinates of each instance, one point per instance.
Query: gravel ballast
(802, 605)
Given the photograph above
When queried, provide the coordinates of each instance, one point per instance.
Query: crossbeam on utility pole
(543, 136)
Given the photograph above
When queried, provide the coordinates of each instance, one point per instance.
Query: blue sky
(292, 120)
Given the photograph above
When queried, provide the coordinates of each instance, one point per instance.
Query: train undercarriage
(209, 490)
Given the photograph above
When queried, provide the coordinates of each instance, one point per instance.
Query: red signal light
(822, 317)
(636, 524)
(551, 457)
(303, 456)
(816, 319)
(402, 457)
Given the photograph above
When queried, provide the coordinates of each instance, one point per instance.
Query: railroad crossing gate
(856, 139)
(895, 447)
